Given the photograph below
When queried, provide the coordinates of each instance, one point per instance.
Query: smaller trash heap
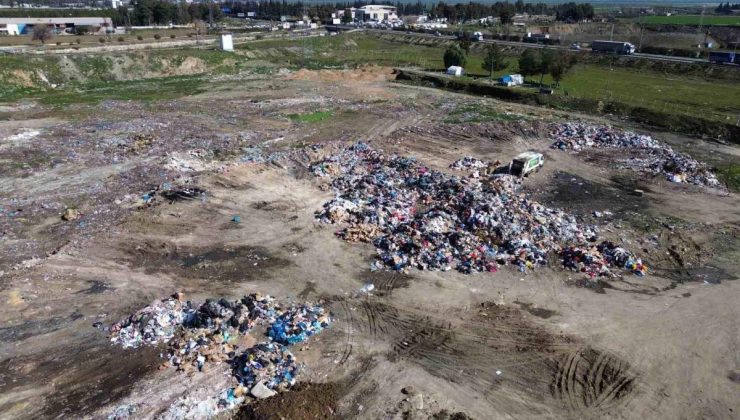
(642, 153)
(468, 163)
(201, 334)
(422, 218)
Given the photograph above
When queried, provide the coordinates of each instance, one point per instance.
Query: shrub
(157, 37)
(455, 56)
(77, 41)
(139, 37)
(101, 40)
(59, 43)
(172, 36)
(121, 39)
(259, 36)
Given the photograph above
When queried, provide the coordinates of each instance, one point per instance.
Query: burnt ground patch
(221, 262)
(574, 193)
(86, 375)
(34, 327)
(96, 287)
(305, 401)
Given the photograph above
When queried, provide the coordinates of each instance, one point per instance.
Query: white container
(227, 42)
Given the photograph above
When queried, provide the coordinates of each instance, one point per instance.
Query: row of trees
(506, 11)
(727, 8)
(546, 61)
(163, 12)
(531, 63)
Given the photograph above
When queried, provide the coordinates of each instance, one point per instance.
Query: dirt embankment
(51, 71)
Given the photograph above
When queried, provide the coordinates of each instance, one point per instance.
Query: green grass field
(716, 100)
(691, 20)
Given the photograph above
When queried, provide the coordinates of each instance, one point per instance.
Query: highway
(653, 57)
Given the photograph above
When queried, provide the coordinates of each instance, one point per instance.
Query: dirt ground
(546, 344)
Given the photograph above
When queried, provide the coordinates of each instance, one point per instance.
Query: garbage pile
(468, 163)
(198, 334)
(154, 324)
(651, 156)
(268, 364)
(428, 220)
(596, 260)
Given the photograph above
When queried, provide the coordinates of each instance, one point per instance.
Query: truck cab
(526, 163)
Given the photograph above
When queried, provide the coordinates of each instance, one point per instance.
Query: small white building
(227, 42)
(377, 13)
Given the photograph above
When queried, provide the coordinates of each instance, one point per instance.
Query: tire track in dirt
(473, 350)
(588, 380)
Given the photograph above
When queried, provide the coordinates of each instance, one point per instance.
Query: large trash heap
(207, 333)
(641, 153)
(422, 218)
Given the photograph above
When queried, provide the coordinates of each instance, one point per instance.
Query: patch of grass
(716, 100)
(165, 88)
(730, 176)
(312, 117)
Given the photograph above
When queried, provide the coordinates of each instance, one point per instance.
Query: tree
(547, 58)
(529, 63)
(455, 56)
(82, 29)
(347, 16)
(560, 67)
(41, 33)
(494, 60)
(507, 15)
(465, 42)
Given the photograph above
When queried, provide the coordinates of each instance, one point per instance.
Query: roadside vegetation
(691, 20)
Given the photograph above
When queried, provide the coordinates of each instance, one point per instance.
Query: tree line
(531, 62)
(163, 12)
(727, 8)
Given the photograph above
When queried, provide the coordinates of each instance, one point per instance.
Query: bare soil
(546, 344)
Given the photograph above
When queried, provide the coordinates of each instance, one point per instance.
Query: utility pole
(210, 15)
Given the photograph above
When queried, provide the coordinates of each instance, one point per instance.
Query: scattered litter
(421, 218)
(648, 155)
(70, 214)
(24, 135)
(367, 288)
(236, 218)
(122, 412)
